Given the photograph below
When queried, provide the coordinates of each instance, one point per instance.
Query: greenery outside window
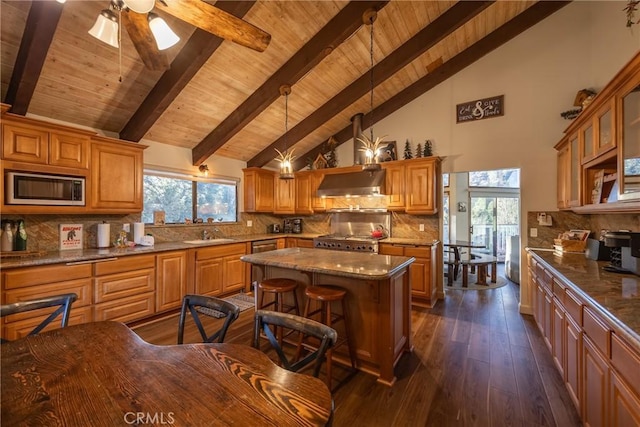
(183, 196)
(502, 178)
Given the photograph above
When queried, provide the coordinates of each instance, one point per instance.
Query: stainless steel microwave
(47, 190)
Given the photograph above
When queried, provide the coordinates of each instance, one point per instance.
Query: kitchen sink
(205, 241)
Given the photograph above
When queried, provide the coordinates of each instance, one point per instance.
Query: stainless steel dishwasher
(257, 247)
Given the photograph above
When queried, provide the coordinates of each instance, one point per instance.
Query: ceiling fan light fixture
(105, 28)
(140, 6)
(165, 37)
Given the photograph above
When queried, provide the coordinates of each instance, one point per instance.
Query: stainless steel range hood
(353, 184)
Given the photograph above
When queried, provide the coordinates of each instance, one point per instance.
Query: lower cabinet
(124, 289)
(171, 279)
(600, 369)
(422, 270)
(219, 269)
(22, 284)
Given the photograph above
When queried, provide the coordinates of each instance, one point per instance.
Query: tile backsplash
(564, 221)
(43, 230)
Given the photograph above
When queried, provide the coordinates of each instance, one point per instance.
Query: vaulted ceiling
(218, 97)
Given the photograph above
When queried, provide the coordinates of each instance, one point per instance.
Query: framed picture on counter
(71, 236)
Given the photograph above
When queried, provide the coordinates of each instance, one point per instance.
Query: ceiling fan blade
(217, 22)
(140, 34)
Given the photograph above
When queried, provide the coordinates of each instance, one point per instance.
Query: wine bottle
(21, 237)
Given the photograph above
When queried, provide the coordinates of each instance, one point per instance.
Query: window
(183, 196)
(503, 178)
(445, 180)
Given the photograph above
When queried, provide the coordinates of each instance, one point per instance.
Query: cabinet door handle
(93, 261)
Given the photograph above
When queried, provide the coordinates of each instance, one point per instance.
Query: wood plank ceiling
(221, 98)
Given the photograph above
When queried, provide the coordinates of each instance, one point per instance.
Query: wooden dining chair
(207, 306)
(63, 302)
(326, 335)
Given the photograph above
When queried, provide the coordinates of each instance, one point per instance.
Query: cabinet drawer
(126, 309)
(15, 330)
(626, 361)
(596, 330)
(558, 290)
(221, 251)
(573, 307)
(116, 286)
(23, 277)
(125, 264)
(81, 287)
(386, 249)
(422, 252)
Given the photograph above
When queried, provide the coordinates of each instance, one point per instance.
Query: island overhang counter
(378, 299)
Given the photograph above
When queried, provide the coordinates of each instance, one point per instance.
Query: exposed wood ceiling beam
(40, 27)
(429, 36)
(195, 53)
(341, 26)
(497, 38)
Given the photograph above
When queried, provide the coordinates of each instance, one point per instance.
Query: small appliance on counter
(273, 228)
(631, 254)
(616, 241)
(597, 250)
(292, 225)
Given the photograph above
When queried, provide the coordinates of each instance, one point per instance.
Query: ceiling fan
(136, 17)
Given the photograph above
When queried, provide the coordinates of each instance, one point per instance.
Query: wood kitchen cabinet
(597, 172)
(124, 288)
(318, 204)
(219, 270)
(171, 279)
(285, 196)
(422, 270)
(22, 284)
(421, 192)
(303, 193)
(258, 190)
(31, 141)
(395, 185)
(116, 176)
(601, 370)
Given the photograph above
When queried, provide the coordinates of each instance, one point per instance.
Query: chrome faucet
(205, 235)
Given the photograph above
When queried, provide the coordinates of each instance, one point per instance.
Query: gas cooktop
(354, 243)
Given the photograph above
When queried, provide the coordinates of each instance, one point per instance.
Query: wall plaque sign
(480, 109)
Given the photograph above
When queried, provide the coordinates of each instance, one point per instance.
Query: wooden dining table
(102, 373)
(456, 246)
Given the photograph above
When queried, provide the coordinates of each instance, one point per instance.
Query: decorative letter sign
(480, 109)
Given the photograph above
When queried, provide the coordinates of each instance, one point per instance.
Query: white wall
(539, 72)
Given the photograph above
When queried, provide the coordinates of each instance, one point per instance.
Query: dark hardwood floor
(476, 362)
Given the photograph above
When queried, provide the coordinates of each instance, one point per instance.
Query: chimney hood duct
(353, 184)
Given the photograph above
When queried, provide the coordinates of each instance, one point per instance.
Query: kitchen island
(378, 298)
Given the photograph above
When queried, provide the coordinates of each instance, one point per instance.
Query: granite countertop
(358, 265)
(616, 296)
(57, 257)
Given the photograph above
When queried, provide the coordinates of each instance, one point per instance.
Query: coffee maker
(292, 225)
(620, 243)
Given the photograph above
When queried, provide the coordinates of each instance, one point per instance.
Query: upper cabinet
(112, 168)
(285, 200)
(421, 178)
(629, 139)
(258, 190)
(599, 158)
(116, 176)
(395, 185)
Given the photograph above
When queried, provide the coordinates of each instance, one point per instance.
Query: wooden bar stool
(326, 295)
(279, 287)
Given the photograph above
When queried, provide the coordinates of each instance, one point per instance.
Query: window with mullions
(183, 196)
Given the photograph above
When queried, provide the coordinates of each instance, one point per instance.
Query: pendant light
(285, 158)
(106, 28)
(369, 145)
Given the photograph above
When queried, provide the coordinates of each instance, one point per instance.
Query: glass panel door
(493, 220)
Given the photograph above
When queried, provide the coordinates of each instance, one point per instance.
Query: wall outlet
(126, 227)
(249, 223)
(421, 227)
(533, 232)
